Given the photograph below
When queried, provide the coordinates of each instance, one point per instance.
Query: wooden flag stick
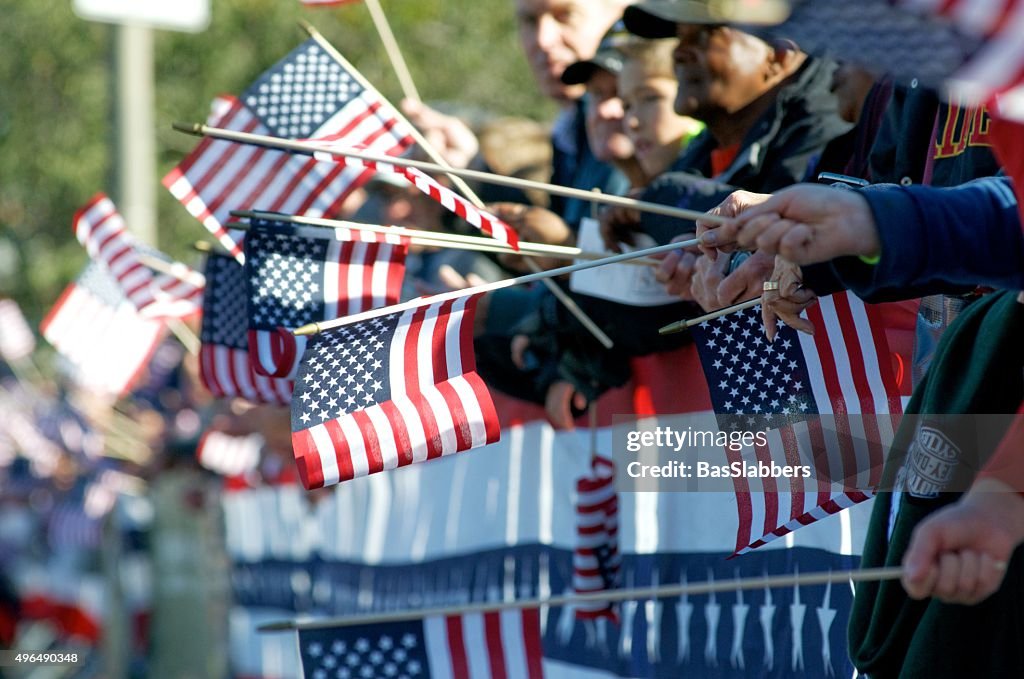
(457, 181)
(380, 22)
(611, 595)
(310, 149)
(175, 269)
(185, 335)
(313, 328)
(679, 326)
(481, 243)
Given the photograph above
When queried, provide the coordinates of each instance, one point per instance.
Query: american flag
(298, 275)
(388, 392)
(306, 94)
(481, 219)
(225, 366)
(16, 339)
(100, 333)
(998, 64)
(842, 370)
(227, 454)
(101, 229)
(468, 646)
(596, 561)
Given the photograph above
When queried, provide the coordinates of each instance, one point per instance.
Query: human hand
(713, 287)
(449, 135)
(677, 267)
(787, 302)
(733, 205)
(960, 553)
(558, 404)
(618, 224)
(535, 225)
(806, 224)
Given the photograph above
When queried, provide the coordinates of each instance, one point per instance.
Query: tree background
(56, 106)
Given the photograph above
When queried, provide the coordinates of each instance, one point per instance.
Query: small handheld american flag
(389, 392)
(225, 366)
(299, 275)
(103, 337)
(306, 94)
(470, 645)
(596, 561)
(843, 370)
(101, 229)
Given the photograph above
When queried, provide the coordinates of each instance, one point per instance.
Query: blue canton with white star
(224, 311)
(285, 274)
(301, 91)
(749, 375)
(393, 650)
(343, 370)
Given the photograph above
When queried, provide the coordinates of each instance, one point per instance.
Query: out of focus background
(112, 534)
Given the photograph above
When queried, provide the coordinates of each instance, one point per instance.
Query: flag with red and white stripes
(306, 94)
(225, 367)
(101, 229)
(464, 646)
(16, 338)
(298, 275)
(388, 392)
(997, 67)
(103, 338)
(596, 561)
(227, 454)
(481, 219)
(827, 401)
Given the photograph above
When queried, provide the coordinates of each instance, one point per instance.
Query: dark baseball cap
(608, 56)
(658, 18)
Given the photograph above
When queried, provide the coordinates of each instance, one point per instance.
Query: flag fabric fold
(389, 392)
(467, 646)
(300, 275)
(225, 366)
(306, 94)
(800, 385)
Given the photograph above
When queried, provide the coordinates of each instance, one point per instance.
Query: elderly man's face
(720, 70)
(556, 33)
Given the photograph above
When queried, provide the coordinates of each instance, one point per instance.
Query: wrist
(1004, 500)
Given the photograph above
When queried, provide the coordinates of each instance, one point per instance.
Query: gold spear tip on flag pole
(673, 328)
(189, 128)
(308, 329)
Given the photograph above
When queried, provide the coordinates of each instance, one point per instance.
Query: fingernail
(709, 238)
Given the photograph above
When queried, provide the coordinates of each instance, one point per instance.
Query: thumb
(579, 400)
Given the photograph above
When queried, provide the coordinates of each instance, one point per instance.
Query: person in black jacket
(769, 110)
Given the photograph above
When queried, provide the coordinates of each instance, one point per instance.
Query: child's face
(651, 123)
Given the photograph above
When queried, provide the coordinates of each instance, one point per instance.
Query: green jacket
(978, 368)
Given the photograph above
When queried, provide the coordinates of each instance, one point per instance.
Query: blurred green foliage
(56, 122)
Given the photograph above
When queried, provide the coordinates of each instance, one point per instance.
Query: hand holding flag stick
(314, 328)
